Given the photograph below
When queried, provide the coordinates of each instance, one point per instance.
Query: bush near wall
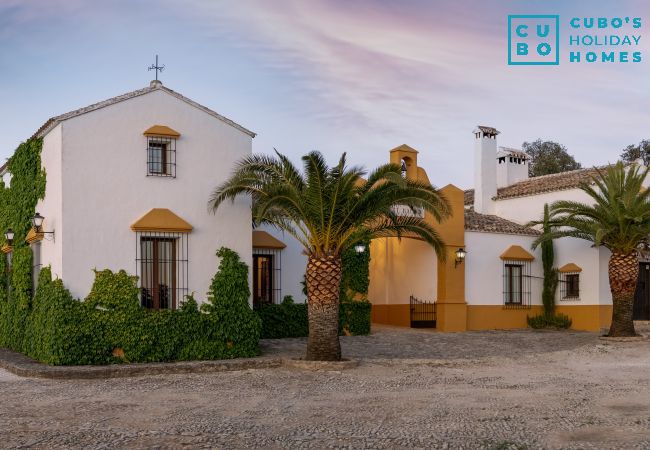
(289, 319)
(110, 326)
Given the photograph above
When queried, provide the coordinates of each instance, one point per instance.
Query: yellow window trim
(570, 268)
(161, 130)
(262, 239)
(161, 220)
(516, 252)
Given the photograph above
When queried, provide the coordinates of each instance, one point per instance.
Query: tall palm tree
(619, 220)
(329, 210)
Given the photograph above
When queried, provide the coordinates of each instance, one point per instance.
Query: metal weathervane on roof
(157, 68)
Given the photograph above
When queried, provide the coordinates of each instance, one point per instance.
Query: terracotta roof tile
(539, 185)
(488, 223)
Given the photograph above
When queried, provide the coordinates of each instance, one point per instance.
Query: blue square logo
(533, 40)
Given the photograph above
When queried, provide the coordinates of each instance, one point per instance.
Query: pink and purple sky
(358, 76)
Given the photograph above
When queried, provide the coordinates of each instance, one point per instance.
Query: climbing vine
(17, 207)
(356, 276)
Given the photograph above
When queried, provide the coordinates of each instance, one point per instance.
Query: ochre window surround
(570, 281)
(162, 258)
(161, 151)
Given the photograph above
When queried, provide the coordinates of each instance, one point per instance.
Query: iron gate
(423, 314)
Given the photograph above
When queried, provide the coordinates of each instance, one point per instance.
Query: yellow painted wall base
(398, 315)
(587, 317)
(453, 317)
(496, 317)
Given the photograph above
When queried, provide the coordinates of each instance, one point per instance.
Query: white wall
(580, 252)
(105, 188)
(525, 209)
(484, 268)
(294, 264)
(51, 205)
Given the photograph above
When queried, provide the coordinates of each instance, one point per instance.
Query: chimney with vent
(512, 166)
(485, 169)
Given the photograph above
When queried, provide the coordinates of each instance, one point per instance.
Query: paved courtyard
(413, 389)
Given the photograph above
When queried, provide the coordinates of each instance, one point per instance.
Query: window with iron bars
(162, 268)
(516, 284)
(267, 269)
(161, 157)
(570, 286)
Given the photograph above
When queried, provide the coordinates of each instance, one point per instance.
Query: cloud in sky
(426, 72)
(361, 76)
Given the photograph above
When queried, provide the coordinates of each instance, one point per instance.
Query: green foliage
(17, 207)
(640, 151)
(356, 270)
(289, 319)
(354, 317)
(228, 304)
(618, 218)
(548, 157)
(330, 209)
(285, 320)
(110, 326)
(553, 321)
(550, 272)
(18, 202)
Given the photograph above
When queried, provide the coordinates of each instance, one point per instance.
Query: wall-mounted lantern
(360, 248)
(37, 222)
(9, 236)
(460, 256)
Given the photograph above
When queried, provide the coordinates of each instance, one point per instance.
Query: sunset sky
(357, 76)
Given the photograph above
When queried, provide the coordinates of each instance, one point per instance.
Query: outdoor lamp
(360, 248)
(9, 235)
(37, 221)
(460, 256)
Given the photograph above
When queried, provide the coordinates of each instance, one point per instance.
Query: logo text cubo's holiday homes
(536, 40)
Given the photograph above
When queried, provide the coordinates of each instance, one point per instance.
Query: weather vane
(157, 68)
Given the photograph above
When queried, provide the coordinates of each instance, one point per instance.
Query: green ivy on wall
(17, 207)
(356, 271)
(111, 327)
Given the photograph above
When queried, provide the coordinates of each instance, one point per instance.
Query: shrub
(289, 319)
(354, 317)
(110, 326)
(236, 324)
(549, 321)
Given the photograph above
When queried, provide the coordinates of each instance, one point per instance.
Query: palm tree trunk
(323, 284)
(623, 275)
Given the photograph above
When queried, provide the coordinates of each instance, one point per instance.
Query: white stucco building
(128, 182)
(499, 282)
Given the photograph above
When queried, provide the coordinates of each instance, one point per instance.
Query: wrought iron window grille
(267, 279)
(161, 157)
(162, 269)
(569, 286)
(517, 280)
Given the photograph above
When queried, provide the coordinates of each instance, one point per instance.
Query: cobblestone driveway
(413, 389)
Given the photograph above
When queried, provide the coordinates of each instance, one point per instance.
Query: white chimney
(485, 169)
(512, 166)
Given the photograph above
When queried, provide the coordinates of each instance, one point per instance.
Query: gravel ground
(413, 389)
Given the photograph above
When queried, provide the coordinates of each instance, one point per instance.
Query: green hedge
(110, 326)
(549, 321)
(289, 319)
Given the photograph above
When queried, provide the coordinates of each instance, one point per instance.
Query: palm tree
(329, 210)
(619, 220)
